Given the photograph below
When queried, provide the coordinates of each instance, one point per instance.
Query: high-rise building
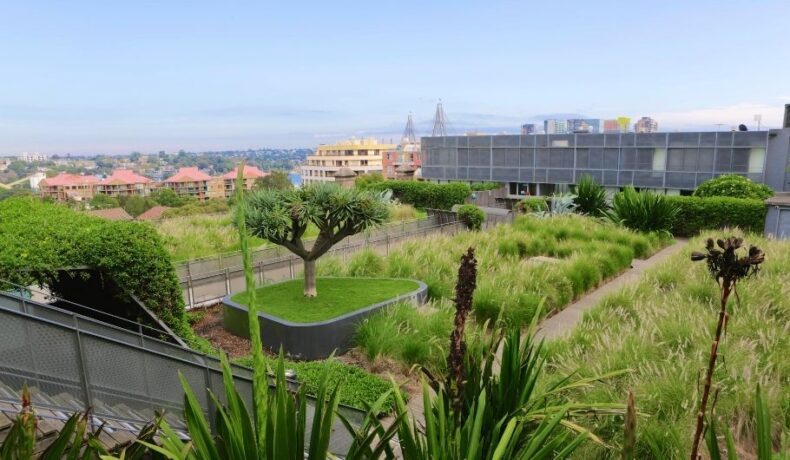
(617, 125)
(584, 125)
(646, 125)
(529, 128)
(362, 156)
(554, 126)
(625, 124)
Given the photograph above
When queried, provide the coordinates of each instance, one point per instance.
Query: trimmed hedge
(424, 194)
(734, 186)
(472, 216)
(39, 239)
(696, 214)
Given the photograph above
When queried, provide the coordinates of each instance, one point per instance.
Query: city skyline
(89, 77)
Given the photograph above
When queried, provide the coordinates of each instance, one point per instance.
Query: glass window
(596, 158)
(644, 158)
(628, 158)
(582, 158)
(740, 160)
(705, 160)
(756, 160)
(542, 157)
(723, 159)
(611, 158)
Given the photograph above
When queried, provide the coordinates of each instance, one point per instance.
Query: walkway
(563, 322)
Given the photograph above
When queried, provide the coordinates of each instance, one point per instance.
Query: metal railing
(278, 264)
(71, 362)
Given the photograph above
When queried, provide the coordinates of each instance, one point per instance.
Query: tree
(167, 197)
(276, 180)
(101, 201)
(136, 205)
(282, 217)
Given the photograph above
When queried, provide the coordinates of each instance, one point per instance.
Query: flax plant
(726, 267)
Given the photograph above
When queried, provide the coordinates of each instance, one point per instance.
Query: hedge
(424, 194)
(472, 216)
(40, 238)
(696, 214)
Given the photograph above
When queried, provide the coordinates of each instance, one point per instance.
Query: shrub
(532, 204)
(424, 194)
(41, 238)
(696, 214)
(167, 197)
(363, 180)
(734, 186)
(590, 197)
(643, 211)
(472, 216)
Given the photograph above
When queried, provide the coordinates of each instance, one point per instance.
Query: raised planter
(309, 340)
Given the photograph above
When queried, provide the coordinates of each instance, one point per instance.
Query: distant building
(66, 186)
(251, 174)
(617, 125)
(363, 156)
(646, 125)
(584, 125)
(189, 181)
(124, 182)
(529, 128)
(624, 123)
(32, 157)
(404, 160)
(554, 126)
(35, 180)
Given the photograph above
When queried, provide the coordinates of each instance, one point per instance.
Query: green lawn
(336, 296)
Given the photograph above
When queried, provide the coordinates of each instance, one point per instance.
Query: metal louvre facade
(678, 161)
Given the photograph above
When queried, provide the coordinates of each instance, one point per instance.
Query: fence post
(291, 266)
(387, 240)
(260, 273)
(140, 330)
(84, 377)
(219, 261)
(227, 281)
(210, 402)
(190, 292)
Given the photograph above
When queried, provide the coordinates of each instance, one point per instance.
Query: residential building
(189, 181)
(124, 182)
(66, 186)
(673, 163)
(646, 125)
(32, 157)
(584, 125)
(35, 179)
(611, 126)
(529, 128)
(555, 126)
(363, 156)
(251, 174)
(404, 160)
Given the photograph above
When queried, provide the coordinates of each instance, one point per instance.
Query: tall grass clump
(643, 211)
(660, 328)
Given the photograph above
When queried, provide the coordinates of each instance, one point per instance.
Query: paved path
(563, 322)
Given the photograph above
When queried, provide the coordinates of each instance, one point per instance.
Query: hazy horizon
(93, 77)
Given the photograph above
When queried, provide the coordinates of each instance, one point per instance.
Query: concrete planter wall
(309, 340)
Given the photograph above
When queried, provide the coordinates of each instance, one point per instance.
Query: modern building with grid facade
(668, 162)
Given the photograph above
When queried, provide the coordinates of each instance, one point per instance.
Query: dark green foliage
(734, 186)
(696, 214)
(101, 201)
(472, 216)
(643, 211)
(590, 197)
(167, 197)
(424, 194)
(363, 180)
(276, 180)
(14, 192)
(136, 205)
(40, 238)
(484, 186)
(532, 204)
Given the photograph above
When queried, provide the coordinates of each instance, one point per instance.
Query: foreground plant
(727, 267)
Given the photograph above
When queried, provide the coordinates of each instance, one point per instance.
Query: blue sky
(118, 76)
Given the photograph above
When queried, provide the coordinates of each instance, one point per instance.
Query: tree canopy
(282, 217)
(276, 180)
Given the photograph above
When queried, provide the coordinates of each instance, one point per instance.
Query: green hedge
(472, 216)
(39, 238)
(697, 214)
(425, 194)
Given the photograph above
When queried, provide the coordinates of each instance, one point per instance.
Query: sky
(87, 77)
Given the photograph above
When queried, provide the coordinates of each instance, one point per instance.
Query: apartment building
(66, 186)
(190, 181)
(124, 182)
(646, 125)
(251, 174)
(363, 156)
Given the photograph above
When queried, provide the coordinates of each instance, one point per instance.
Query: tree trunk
(309, 278)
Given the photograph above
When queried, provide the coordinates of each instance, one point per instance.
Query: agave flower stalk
(464, 290)
(727, 268)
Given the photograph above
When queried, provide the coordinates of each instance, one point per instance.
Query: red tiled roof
(190, 174)
(250, 172)
(63, 179)
(153, 213)
(111, 214)
(124, 177)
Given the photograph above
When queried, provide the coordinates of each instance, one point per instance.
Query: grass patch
(661, 329)
(357, 387)
(336, 297)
